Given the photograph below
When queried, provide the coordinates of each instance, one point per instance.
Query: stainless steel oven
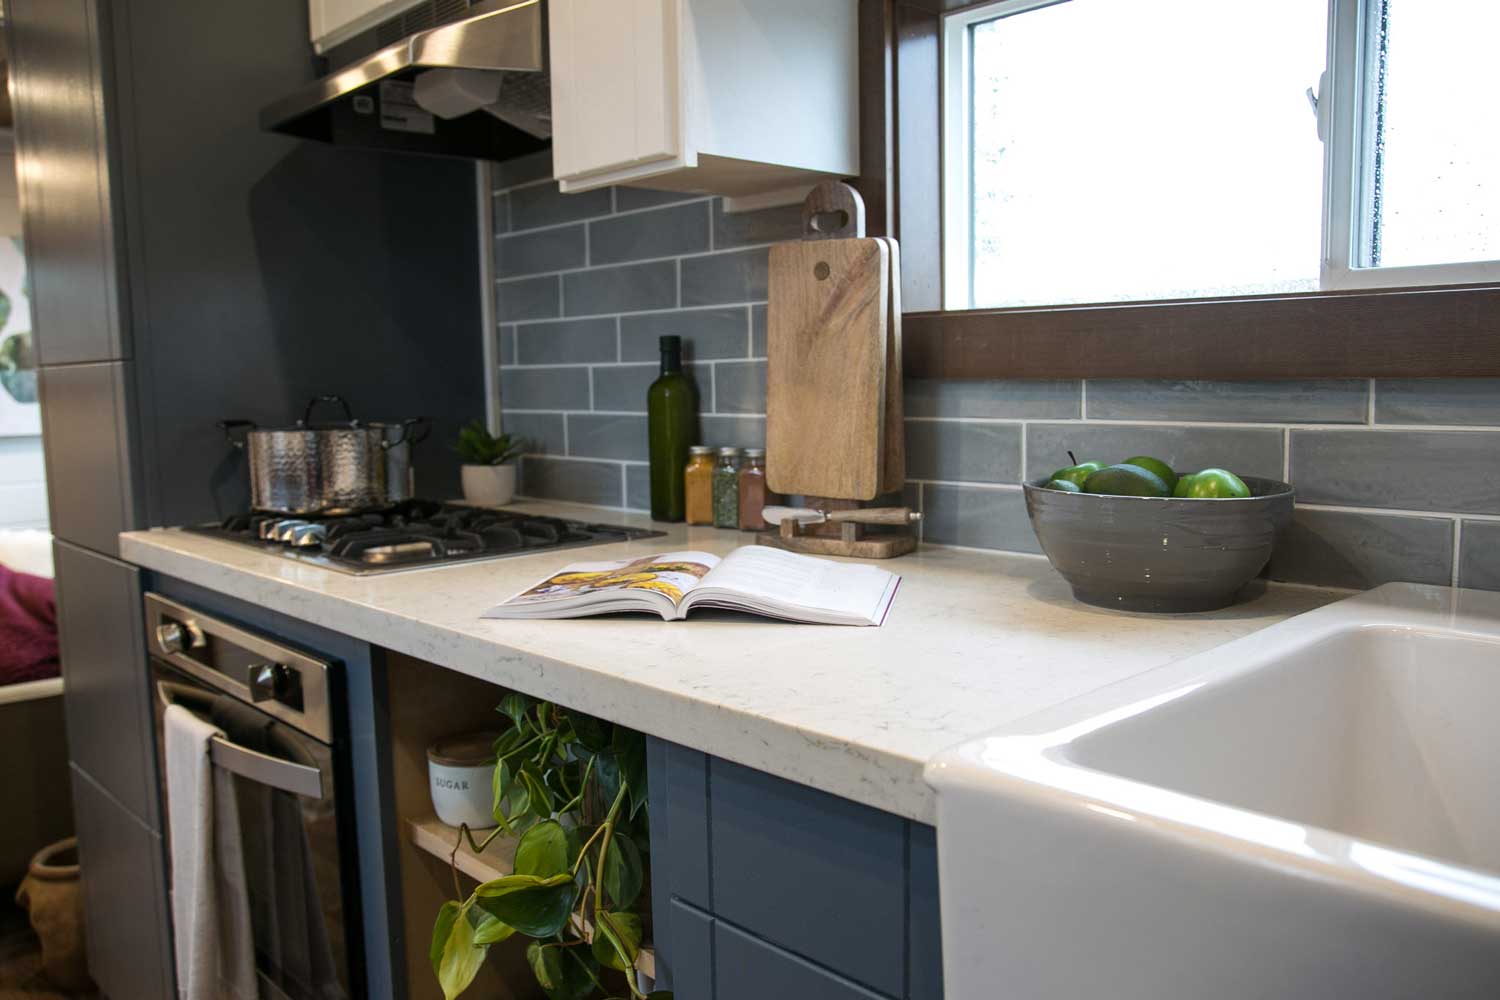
(283, 742)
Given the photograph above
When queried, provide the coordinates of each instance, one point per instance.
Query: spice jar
(698, 481)
(727, 489)
(753, 490)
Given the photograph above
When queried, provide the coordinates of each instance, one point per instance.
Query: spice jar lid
(755, 453)
(729, 451)
(700, 449)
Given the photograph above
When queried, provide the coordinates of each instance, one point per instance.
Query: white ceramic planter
(489, 485)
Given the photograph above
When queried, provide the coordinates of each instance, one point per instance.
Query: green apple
(1064, 486)
(1127, 481)
(1213, 484)
(1076, 474)
(1156, 465)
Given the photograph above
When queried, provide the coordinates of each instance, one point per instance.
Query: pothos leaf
(492, 930)
(461, 957)
(515, 706)
(543, 850)
(617, 939)
(622, 871)
(441, 929)
(562, 973)
(535, 907)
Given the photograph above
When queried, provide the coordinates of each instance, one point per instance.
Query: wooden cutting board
(893, 461)
(827, 349)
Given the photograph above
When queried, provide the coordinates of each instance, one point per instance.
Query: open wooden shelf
(430, 834)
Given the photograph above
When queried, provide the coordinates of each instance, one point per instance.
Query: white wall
(23, 480)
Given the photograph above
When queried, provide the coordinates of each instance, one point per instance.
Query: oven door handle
(299, 779)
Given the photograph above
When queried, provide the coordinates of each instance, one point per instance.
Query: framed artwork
(20, 414)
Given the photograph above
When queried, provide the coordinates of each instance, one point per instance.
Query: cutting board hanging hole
(829, 223)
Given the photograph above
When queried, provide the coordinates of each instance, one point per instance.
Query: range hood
(475, 88)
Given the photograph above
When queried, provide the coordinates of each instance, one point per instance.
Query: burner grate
(413, 534)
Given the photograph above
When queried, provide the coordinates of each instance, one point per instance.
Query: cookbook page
(771, 578)
(667, 575)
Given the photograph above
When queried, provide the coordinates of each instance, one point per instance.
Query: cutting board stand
(835, 211)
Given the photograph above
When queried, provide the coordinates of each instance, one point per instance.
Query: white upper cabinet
(753, 99)
(335, 21)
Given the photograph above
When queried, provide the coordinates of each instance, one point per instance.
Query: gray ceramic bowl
(1158, 553)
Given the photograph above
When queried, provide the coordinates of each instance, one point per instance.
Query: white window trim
(1343, 194)
(1338, 125)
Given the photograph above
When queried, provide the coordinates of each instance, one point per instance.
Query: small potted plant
(489, 474)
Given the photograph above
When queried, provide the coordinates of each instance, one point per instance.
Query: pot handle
(233, 427)
(414, 430)
(312, 403)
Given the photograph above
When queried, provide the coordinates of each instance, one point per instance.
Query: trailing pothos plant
(573, 789)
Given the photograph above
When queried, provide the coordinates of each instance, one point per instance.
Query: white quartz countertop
(973, 641)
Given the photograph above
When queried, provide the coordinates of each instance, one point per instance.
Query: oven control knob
(274, 682)
(171, 637)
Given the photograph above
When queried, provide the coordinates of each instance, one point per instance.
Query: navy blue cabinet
(763, 887)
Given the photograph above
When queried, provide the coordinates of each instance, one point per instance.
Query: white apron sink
(1312, 811)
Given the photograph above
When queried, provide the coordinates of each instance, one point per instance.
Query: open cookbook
(754, 579)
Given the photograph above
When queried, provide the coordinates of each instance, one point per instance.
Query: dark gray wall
(265, 269)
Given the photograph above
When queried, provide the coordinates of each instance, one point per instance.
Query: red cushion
(28, 628)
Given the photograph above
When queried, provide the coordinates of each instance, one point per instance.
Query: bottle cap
(670, 342)
(729, 451)
(755, 453)
(700, 449)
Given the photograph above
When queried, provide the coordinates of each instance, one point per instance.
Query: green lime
(1064, 486)
(1157, 466)
(1127, 481)
(1216, 484)
(1076, 474)
(1184, 484)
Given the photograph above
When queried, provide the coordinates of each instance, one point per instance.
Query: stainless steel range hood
(374, 102)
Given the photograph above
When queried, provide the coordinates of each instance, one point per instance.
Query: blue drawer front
(832, 898)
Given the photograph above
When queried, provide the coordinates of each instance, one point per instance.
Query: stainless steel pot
(327, 468)
(399, 439)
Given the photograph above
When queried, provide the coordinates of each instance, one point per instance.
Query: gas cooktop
(412, 535)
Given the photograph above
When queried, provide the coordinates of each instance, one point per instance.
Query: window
(1116, 150)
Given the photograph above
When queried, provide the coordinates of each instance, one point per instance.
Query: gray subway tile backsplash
(1452, 471)
(1459, 401)
(662, 232)
(528, 298)
(706, 334)
(556, 249)
(740, 387)
(1334, 548)
(569, 341)
(1033, 399)
(963, 451)
(607, 435)
(626, 288)
(544, 389)
(669, 263)
(544, 205)
(977, 517)
(736, 276)
(542, 432)
(1479, 555)
(576, 480)
(1337, 401)
(1247, 451)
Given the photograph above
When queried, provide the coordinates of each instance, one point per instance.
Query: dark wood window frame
(1434, 331)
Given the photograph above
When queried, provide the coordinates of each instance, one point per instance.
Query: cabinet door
(104, 668)
(616, 84)
(124, 898)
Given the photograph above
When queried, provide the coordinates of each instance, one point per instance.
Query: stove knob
(171, 637)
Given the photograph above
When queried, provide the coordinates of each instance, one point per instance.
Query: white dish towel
(210, 904)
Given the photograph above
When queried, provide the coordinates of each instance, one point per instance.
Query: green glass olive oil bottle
(671, 420)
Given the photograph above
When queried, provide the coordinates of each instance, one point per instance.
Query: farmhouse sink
(1310, 811)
